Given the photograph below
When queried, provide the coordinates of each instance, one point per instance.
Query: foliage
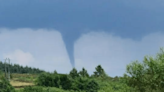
(16, 68)
(99, 72)
(77, 82)
(1, 74)
(73, 73)
(49, 89)
(54, 80)
(147, 75)
(83, 73)
(67, 82)
(47, 79)
(29, 78)
(32, 89)
(92, 86)
(5, 86)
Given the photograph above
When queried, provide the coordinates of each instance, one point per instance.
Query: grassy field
(19, 84)
(22, 80)
(24, 77)
(19, 81)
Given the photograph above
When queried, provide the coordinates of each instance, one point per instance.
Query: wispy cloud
(113, 52)
(40, 48)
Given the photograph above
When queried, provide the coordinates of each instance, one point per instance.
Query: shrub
(92, 86)
(33, 89)
(5, 86)
(65, 82)
(147, 75)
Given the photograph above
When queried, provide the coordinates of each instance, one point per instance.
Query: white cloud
(113, 52)
(40, 48)
(20, 57)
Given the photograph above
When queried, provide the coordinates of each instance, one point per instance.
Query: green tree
(5, 86)
(83, 73)
(55, 72)
(147, 76)
(33, 89)
(41, 80)
(92, 86)
(65, 82)
(99, 72)
(15, 68)
(73, 73)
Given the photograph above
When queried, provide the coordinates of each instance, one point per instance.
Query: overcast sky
(61, 34)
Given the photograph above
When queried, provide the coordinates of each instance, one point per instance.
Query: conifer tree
(83, 73)
(99, 72)
(73, 73)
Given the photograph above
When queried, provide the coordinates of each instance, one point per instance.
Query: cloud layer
(40, 48)
(46, 50)
(113, 52)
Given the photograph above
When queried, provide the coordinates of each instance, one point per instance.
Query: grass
(19, 81)
(48, 89)
(18, 84)
(24, 77)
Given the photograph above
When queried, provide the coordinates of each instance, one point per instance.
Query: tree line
(77, 81)
(16, 68)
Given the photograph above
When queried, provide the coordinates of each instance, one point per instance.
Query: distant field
(22, 80)
(18, 84)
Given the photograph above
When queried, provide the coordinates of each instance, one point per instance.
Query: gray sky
(60, 34)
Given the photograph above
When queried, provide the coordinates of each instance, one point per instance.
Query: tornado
(69, 37)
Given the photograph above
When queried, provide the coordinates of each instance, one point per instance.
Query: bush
(85, 84)
(65, 82)
(92, 86)
(48, 80)
(147, 75)
(33, 89)
(5, 86)
(54, 80)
